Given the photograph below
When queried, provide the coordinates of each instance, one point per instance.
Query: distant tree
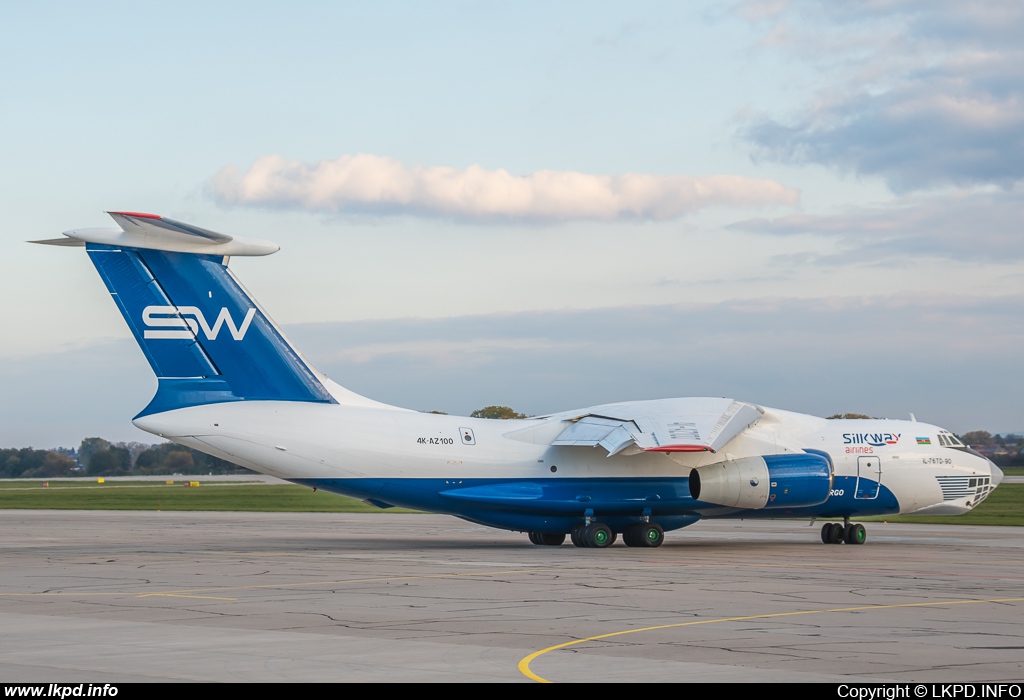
(977, 437)
(26, 463)
(54, 464)
(439, 413)
(848, 416)
(179, 462)
(15, 463)
(500, 412)
(69, 451)
(167, 458)
(171, 458)
(88, 447)
(134, 449)
(10, 464)
(113, 461)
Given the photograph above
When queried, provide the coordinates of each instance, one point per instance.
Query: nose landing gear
(838, 533)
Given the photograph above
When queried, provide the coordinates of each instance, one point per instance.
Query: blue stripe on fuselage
(525, 504)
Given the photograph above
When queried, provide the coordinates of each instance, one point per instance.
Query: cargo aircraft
(231, 385)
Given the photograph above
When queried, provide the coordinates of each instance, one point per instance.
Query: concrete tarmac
(143, 596)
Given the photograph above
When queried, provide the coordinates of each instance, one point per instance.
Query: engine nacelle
(769, 481)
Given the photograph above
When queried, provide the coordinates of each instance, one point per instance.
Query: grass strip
(92, 483)
(220, 497)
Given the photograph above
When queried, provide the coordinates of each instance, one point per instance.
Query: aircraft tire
(533, 537)
(826, 532)
(576, 535)
(598, 535)
(836, 535)
(652, 535)
(550, 539)
(855, 534)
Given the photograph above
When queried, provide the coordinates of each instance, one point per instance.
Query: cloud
(380, 185)
(922, 93)
(980, 226)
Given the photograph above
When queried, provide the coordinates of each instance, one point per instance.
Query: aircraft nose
(997, 474)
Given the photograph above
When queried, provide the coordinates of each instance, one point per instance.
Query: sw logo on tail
(189, 319)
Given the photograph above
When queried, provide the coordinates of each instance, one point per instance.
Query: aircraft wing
(668, 425)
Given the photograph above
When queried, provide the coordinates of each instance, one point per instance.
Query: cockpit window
(950, 440)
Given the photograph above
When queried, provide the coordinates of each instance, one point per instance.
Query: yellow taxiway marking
(216, 589)
(524, 665)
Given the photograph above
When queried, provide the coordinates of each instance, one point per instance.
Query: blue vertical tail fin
(204, 336)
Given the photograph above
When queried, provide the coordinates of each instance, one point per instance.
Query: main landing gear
(550, 539)
(643, 535)
(837, 533)
(599, 535)
(595, 534)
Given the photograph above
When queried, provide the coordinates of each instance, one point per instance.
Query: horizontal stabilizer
(152, 232)
(153, 225)
(66, 242)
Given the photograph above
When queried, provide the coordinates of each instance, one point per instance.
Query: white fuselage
(371, 445)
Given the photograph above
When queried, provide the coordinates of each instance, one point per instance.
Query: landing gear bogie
(598, 535)
(576, 535)
(855, 534)
(838, 533)
(643, 535)
(547, 539)
(595, 534)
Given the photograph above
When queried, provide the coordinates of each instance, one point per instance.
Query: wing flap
(665, 425)
(617, 440)
(588, 431)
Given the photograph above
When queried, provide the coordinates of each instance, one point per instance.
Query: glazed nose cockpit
(948, 439)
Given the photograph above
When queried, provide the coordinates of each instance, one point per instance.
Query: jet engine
(768, 481)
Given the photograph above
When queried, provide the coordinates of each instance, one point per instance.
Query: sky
(807, 205)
